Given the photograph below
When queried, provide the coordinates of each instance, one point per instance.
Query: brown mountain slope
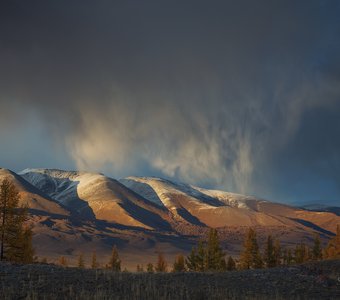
(95, 196)
(31, 196)
(219, 209)
(88, 212)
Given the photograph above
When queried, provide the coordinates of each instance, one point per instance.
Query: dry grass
(52, 282)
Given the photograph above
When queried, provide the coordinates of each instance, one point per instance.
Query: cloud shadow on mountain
(312, 226)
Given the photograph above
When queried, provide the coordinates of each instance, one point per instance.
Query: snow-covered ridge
(58, 183)
(66, 187)
(157, 204)
(93, 195)
(58, 173)
(158, 190)
(232, 199)
(61, 184)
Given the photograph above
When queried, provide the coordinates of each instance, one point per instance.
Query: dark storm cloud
(225, 94)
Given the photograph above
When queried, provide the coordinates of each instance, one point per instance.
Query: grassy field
(37, 281)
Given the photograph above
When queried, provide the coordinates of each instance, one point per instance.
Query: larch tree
(214, 259)
(63, 261)
(140, 268)
(161, 265)
(179, 264)
(317, 250)
(285, 257)
(333, 248)
(301, 253)
(277, 253)
(201, 261)
(27, 246)
(150, 268)
(298, 254)
(81, 262)
(115, 262)
(191, 260)
(269, 256)
(231, 265)
(250, 257)
(290, 257)
(94, 263)
(197, 260)
(15, 235)
(208, 256)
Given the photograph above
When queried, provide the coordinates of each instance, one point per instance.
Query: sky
(242, 96)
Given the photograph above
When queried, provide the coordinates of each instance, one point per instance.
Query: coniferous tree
(15, 236)
(20, 245)
(208, 256)
(231, 265)
(285, 257)
(277, 253)
(222, 266)
(214, 260)
(63, 261)
(197, 260)
(250, 257)
(140, 268)
(298, 255)
(115, 262)
(333, 248)
(301, 253)
(9, 199)
(317, 250)
(28, 253)
(269, 255)
(201, 257)
(161, 265)
(94, 263)
(307, 254)
(191, 260)
(290, 257)
(150, 268)
(179, 264)
(81, 262)
(246, 257)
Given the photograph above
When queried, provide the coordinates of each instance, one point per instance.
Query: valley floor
(309, 281)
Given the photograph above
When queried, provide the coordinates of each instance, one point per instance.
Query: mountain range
(81, 212)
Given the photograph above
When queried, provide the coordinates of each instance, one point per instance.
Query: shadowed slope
(215, 208)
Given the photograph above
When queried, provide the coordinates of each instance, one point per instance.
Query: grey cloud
(206, 93)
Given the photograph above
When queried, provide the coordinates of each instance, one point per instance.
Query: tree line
(207, 255)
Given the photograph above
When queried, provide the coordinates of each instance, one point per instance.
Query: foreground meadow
(38, 281)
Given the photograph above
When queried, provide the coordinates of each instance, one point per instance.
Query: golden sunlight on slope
(325, 220)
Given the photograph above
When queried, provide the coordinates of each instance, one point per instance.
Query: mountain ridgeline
(81, 210)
